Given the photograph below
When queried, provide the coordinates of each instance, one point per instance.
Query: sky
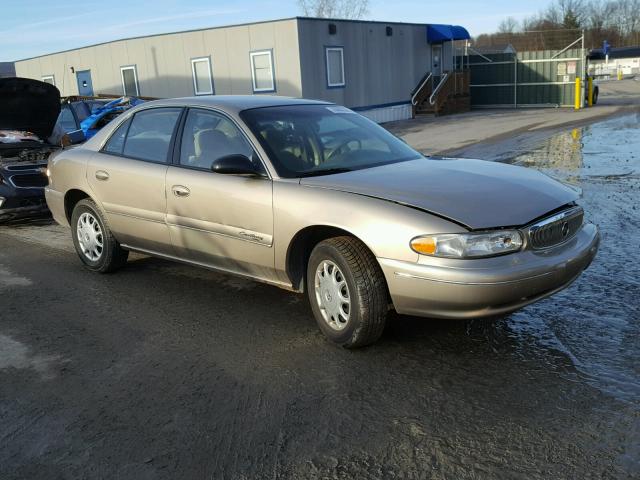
(35, 27)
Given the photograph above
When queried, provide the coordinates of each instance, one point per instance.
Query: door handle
(102, 175)
(180, 191)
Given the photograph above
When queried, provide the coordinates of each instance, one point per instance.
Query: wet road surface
(166, 371)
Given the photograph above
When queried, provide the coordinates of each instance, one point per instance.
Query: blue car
(102, 115)
(91, 115)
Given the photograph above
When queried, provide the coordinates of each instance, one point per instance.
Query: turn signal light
(424, 245)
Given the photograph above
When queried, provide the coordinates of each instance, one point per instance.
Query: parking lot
(167, 371)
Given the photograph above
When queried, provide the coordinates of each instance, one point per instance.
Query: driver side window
(208, 136)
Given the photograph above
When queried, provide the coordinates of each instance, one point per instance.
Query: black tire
(367, 291)
(112, 255)
(596, 92)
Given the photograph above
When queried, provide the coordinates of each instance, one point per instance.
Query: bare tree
(598, 15)
(349, 9)
(508, 25)
(628, 15)
(566, 13)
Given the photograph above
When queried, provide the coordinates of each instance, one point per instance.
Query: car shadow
(292, 312)
(32, 221)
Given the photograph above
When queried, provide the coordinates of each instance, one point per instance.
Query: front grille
(556, 229)
(29, 166)
(29, 180)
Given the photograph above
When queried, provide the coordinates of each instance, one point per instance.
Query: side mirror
(235, 164)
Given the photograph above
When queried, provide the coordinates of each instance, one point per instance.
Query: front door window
(208, 136)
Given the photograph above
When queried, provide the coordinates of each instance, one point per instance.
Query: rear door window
(150, 133)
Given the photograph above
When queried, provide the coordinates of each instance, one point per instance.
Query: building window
(129, 80)
(201, 71)
(49, 79)
(335, 67)
(262, 71)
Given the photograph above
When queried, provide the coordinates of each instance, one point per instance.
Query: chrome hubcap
(90, 236)
(332, 295)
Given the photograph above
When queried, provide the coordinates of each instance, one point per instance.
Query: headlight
(468, 245)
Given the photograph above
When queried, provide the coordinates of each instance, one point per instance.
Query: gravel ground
(167, 371)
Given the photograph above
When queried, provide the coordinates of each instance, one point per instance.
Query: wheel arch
(301, 245)
(71, 199)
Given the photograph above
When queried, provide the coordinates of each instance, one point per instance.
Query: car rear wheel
(94, 242)
(596, 92)
(347, 292)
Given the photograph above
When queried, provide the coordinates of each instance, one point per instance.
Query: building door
(85, 87)
(436, 60)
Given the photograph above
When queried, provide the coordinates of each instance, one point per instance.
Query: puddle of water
(596, 322)
(14, 354)
(608, 150)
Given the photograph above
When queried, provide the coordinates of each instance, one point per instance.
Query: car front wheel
(95, 244)
(347, 292)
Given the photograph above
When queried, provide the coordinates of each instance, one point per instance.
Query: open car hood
(476, 193)
(28, 105)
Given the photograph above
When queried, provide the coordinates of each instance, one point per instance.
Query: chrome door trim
(237, 233)
(137, 217)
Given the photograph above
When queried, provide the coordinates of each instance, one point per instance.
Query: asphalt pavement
(167, 371)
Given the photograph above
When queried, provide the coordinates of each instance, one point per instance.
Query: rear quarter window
(115, 144)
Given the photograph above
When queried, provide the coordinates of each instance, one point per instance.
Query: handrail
(419, 89)
(436, 90)
(480, 55)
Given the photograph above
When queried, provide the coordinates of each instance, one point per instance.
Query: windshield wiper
(326, 171)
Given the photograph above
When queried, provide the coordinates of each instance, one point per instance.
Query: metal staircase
(447, 94)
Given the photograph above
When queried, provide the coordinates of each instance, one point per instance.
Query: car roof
(236, 103)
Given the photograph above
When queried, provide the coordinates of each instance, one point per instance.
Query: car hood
(476, 193)
(28, 105)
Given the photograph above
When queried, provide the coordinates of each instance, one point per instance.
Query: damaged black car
(28, 113)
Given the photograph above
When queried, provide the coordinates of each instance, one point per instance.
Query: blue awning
(445, 33)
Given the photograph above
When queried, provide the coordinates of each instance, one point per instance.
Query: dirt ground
(166, 371)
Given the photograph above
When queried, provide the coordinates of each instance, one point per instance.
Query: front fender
(385, 227)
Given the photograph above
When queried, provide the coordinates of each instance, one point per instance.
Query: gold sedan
(312, 197)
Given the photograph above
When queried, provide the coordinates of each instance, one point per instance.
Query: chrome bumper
(450, 288)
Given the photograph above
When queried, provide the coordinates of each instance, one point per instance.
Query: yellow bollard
(619, 74)
(578, 92)
(590, 95)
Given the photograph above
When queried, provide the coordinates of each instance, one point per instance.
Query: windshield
(307, 140)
